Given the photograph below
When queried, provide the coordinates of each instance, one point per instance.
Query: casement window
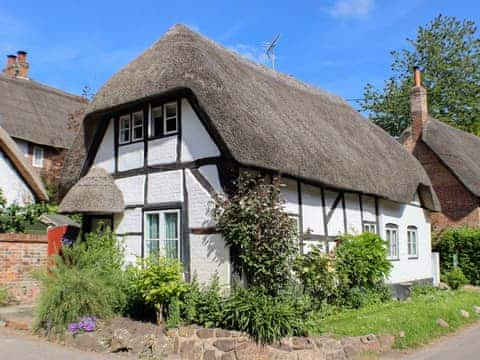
(370, 227)
(162, 233)
(37, 156)
(391, 235)
(412, 239)
(137, 125)
(156, 121)
(124, 129)
(171, 121)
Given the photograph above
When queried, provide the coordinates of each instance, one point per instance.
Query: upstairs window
(156, 121)
(37, 156)
(137, 119)
(124, 133)
(171, 123)
(391, 235)
(370, 227)
(412, 238)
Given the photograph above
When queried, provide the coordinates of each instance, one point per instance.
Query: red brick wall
(20, 254)
(459, 206)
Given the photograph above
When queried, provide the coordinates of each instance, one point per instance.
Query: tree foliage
(448, 52)
(255, 225)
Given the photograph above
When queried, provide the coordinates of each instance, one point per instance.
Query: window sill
(162, 136)
(130, 142)
(393, 259)
(413, 258)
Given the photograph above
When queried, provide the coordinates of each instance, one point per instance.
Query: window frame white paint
(161, 231)
(390, 230)
(122, 130)
(166, 118)
(369, 224)
(135, 126)
(412, 230)
(38, 158)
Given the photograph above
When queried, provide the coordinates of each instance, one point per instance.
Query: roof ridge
(290, 80)
(45, 87)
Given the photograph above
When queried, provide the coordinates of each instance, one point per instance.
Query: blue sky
(338, 45)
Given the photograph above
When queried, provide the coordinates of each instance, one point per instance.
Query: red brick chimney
(10, 68)
(418, 106)
(22, 64)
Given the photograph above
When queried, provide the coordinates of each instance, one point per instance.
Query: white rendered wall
(196, 142)
(368, 204)
(210, 172)
(130, 156)
(132, 247)
(404, 215)
(105, 157)
(129, 222)
(165, 187)
(312, 210)
(23, 146)
(336, 224)
(289, 192)
(162, 151)
(200, 203)
(354, 219)
(133, 189)
(209, 256)
(14, 188)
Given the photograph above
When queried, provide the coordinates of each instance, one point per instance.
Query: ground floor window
(391, 235)
(370, 227)
(162, 233)
(412, 241)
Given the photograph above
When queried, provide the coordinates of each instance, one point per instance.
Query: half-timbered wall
(14, 188)
(181, 171)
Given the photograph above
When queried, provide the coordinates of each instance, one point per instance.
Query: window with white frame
(137, 125)
(37, 156)
(412, 239)
(170, 125)
(124, 129)
(162, 233)
(391, 235)
(156, 121)
(370, 227)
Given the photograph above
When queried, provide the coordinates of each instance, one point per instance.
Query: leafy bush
(422, 290)
(358, 297)
(465, 243)
(159, 281)
(259, 232)
(15, 218)
(264, 317)
(87, 281)
(174, 316)
(455, 278)
(316, 272)
(361, 261)
(4, 297)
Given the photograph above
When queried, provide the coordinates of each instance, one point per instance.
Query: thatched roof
(38, 113)
(457, 149)
(95, 193)
(266, 119)
(26, 171)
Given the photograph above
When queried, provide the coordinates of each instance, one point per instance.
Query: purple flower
(67, 242)
(88, 323)
(73, 327)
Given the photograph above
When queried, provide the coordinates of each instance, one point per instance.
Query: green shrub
(358, 297)
(265, 318)
(174, 317)
(422, 290)
(361, 261)
(465, 243)
(159, 281)
(4, 297)
(87, 281)
(316, 272)
(455, 278)
(261, 235)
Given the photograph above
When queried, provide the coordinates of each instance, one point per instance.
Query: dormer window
(163, 120)
(124, 134)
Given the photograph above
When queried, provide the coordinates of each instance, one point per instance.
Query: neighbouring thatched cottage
(42, 120)
(178, 123)
(451, 158)
(19, 183)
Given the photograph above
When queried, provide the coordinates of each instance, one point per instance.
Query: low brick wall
(20, 255)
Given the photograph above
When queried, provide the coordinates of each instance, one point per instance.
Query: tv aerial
(270, 49)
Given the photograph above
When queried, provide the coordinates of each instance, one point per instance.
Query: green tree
(448, 52)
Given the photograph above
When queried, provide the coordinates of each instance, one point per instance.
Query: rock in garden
(442, 323)
(476, 309)
(443, 286)
(120, 340)
(89, 341)
(225, 344)
(464, 313)
(401, 334)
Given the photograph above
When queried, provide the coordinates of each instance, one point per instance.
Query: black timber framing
(344, 214)
(360, 203)
(377, 215)
(300, 214)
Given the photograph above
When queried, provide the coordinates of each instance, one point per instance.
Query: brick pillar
(418, 107)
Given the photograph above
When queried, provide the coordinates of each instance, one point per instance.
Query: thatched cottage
(178, 123)
(42, 120)
(451, 158)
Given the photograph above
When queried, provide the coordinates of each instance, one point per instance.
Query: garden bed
(412, 322)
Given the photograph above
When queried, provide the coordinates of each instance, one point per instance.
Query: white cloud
(255, 54)
(351, 8)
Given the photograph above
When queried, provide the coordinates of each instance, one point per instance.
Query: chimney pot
(22, 65)
(21, 56)
(417, 76)
(10, 68)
